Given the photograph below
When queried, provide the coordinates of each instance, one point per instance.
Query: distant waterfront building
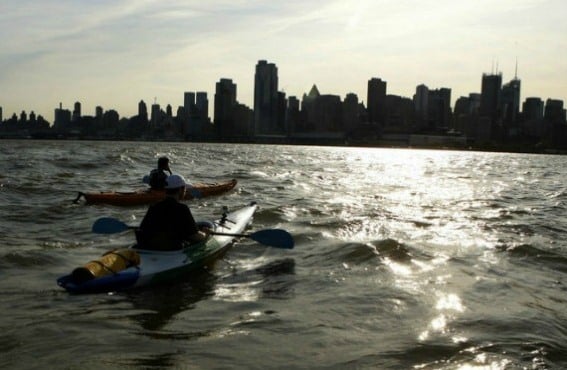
(350, 112)
(511, 102)
(98, 113)
(323, 112)
(554, 111)
(156, 114)
(376, 101)
(439, 109)
(1, 118)
(202, 105)
(76, 112)
(23, 117)
(62, 118)
(475, 102)
(532, 117)
(266, 99)
(189, 102)
(490, 96)
(400, 112)
(532, 109)
(555, 127)
(421, 100)
(143, 111)
(292, 114)
(225, 101)
(307, 108)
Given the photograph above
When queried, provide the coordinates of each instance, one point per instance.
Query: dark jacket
(166, 225)
(158, 179)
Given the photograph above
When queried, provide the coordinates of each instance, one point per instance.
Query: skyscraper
(266, 99)
(189, 102)
(439, 108)
(76, 112)
(225, 101)
(490, 96)
(511, 101)
(142, 111)
(376, 101)
(202, 105)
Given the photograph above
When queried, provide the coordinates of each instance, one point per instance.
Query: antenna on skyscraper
(516, 70)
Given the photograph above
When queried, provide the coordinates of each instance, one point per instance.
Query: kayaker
(158, 176)
(169, 224)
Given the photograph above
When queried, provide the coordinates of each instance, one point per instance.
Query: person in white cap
(169, 224)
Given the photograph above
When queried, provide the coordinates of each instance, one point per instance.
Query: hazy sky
(114, 53)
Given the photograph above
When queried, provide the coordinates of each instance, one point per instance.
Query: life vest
(109, 263)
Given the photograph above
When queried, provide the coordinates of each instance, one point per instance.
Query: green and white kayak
(148, 267)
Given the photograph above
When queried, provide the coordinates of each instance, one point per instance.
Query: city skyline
(116, 55)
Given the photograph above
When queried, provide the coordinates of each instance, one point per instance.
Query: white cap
(175, 181)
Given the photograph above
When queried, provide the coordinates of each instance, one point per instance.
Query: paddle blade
(109, 225)
(196, 194)
(276, 238)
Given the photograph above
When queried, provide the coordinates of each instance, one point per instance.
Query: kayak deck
(158, 267)
(142, 197)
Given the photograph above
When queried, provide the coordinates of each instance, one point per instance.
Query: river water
(404, 259)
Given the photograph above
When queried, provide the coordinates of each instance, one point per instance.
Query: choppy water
(404, 259)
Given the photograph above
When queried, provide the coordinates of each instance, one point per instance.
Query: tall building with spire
(266, 99)
(511, 100)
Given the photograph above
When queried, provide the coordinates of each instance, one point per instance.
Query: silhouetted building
(62, 118)
(110, 120)
(266, 99)
(1, 118)
(202, 105)
(399, 114)
(98, 113)
(323, 112)
(307, 106)
(490, 96)
(292, 114)
(532, 114)
(439, 109)
(189, 102)
(225, 101)
(465, 114)
(555, 130)
(157, 116)
(554, 111)
(76, 112)
(243, 121)
(142, 112)
(351, 113)
(421, 100)
(376, 101)
(511, 106)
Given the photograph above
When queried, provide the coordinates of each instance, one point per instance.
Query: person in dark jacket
(169, 224)
(157, 178)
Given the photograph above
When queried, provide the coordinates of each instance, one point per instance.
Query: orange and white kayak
(141, 197)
